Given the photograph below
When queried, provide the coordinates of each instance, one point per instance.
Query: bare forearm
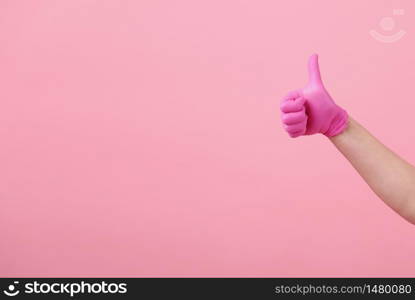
(388, 175)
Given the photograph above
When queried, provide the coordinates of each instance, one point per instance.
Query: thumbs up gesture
(311, 110)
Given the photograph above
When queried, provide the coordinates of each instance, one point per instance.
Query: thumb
(314, 70)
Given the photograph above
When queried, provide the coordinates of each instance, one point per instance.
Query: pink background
(142, 138)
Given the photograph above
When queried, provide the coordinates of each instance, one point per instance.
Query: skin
(388, 175)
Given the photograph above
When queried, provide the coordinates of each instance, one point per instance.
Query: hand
(311, 110)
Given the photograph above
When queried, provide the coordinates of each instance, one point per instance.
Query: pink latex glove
(311, 110)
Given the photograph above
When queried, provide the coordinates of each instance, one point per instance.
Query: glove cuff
(339, 123)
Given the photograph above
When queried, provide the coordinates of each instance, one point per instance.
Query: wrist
(339, 124)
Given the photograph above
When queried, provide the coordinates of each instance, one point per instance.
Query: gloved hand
(311, 110)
